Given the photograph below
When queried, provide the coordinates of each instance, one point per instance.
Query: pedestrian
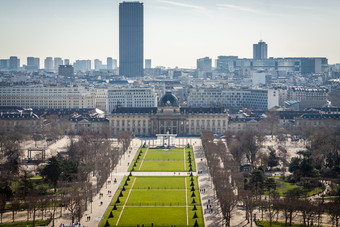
(207, 207)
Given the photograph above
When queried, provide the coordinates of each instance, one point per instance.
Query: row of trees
(69, 176)
(254, 190)
(225, 174)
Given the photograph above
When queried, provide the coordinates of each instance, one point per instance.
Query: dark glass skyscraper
(131, 41)
(260, 50)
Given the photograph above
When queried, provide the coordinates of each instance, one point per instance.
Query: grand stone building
(168, 116)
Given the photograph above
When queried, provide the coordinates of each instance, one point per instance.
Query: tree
(272, 160)
(5, 195)
(124, 137)
(249, 203)
(15, 206)
(52, 171)
(256, 182)
(270, 186)
(25, 185)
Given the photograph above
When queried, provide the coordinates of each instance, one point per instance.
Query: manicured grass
(159, 183)
(24, 224)
(157, 197)
(165, 156)
(284, 187)
(154, 205)
(154, 160)
(159, 166)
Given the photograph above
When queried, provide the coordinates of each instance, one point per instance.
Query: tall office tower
(148, 63)
(82, 65)
(97, 64)
(66, 61)
(4, 63)
(14, 63)
(226, 64)
(57, 62)
(131, 39)
(203, 67)
(33, 63)
(109, 62)
(37, 63)
(260, 50)
(204, 64)
(114, 63)
(48, 63)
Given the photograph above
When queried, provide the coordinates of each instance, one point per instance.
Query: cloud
(197, 8)
(239, 8)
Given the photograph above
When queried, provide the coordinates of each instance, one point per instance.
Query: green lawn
(154, 160)
(284, 187)
(157, 197)
(160, 207)
(159, 183)
(165, 166)
(159, 216)
(166, 156)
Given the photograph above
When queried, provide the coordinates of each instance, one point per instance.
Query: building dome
(168, 100)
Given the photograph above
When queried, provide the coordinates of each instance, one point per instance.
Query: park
(158, 200)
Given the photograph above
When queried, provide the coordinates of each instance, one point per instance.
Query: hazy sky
(176, 32)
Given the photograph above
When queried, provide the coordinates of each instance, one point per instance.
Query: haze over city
(176, 33)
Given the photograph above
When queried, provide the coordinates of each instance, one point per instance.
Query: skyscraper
(48, 64)
(57, 62)
(203, 67)
(97, 64)
(14, 63)
(131, 39)
(148, 63)
(260, 50)
(109, 62)
(33, 63)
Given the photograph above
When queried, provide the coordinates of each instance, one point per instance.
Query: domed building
(168, 117)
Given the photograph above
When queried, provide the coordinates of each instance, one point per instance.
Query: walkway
(96, 209)
(210, 205)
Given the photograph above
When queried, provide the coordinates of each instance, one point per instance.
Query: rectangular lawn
(154, 160)
(157, 197)
(155, 205)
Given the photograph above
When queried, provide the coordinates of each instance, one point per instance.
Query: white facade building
(229, 98)
(47, 97)
(130, 97)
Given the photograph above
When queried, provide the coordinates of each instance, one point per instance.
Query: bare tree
(124, 137)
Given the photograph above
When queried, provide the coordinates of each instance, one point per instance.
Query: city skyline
(177, 33)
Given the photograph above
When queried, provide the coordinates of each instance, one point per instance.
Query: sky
(176, 32)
